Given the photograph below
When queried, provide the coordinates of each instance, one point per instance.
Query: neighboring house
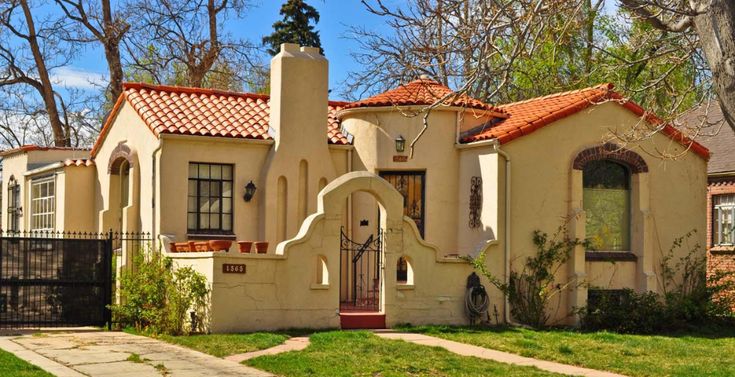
(717, 135)
(39, 184)
(182, 163)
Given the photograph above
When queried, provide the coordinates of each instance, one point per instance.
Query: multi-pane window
(722, 219)
(606, 201)
(43, 204)
(210, 198)
(13, 205)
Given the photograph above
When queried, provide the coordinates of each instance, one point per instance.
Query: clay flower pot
(261, 247)
(201, 246)
(192, 246)
(245, 246)
(220, 245)
(179, 247)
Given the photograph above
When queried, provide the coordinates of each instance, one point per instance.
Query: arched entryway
(363, 268)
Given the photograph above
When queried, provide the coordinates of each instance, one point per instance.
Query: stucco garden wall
(281, 290)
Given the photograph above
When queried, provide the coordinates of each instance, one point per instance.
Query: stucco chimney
(298, 108)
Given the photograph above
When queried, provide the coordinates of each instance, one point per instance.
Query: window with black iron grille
(13, 205)
(210, 198)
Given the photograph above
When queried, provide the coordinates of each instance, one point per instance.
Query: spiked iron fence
(55, 279)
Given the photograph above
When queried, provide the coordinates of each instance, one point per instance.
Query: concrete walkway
(100, 353)
(292, 344)
(499, 356)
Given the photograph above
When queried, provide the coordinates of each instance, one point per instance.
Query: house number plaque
(229, 268)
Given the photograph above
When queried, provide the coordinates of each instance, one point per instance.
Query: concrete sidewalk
(499, 356)
(101, 353)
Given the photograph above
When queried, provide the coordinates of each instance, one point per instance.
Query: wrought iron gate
(360, 265)
(55, 280)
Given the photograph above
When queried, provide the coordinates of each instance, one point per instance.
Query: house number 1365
(228, 268)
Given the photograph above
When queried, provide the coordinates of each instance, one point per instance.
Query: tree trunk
(112, 50)
(46, 89)
(716, 30)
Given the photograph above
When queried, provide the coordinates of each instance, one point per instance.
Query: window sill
(404, 287)
(319, 286)
(722, 250)
(610, 256)
(211, 236)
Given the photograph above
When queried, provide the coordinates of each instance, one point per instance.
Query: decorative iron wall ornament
(475, 202)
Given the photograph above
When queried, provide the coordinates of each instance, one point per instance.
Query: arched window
(322, 272)
(606, 201)
(404, 271)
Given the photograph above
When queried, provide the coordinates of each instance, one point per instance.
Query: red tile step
(362, 320)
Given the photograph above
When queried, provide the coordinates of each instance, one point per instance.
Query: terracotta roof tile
(527, 116)
(207, 112)
(79, 162)
(423, 92)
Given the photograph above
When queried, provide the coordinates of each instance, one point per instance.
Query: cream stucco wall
(247, 158)
(281, 290)
(668, 201)
(375, 131)
(130, 131)
(19, 164)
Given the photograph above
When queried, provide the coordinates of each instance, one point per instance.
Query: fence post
(108, 280)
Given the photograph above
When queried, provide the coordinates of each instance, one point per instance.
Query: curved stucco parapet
(414, 233)
(305, 233)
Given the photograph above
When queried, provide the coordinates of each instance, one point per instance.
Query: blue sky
(336, 18)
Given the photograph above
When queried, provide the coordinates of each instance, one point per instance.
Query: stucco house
(329, 185)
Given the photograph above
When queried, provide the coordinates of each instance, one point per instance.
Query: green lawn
(13, 366)
(360, 353)
(704, 353)
(221, 345)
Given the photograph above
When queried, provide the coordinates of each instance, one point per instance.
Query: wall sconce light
(249, 191)
(400, 144)
(19, 211)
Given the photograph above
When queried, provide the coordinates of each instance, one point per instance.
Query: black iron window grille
(475, 202)
(13, 205)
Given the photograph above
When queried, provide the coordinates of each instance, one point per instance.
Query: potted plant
(220, 245)
(245, 246)
(201, 246)
(261, 247)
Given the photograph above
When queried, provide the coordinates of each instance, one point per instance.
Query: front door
(411, 185)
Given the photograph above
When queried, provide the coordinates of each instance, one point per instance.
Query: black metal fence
(56, 279)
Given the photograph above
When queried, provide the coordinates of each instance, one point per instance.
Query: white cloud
(70, 77)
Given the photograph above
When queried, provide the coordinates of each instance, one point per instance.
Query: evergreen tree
(295, 27)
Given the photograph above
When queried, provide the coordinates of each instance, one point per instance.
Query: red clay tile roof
(207, 112)
(529, 115)
(32, 147)
(79, 162)
(423, 92)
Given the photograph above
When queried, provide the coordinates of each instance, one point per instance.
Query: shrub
(530, 290)
(156, 298)
(689, 297)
